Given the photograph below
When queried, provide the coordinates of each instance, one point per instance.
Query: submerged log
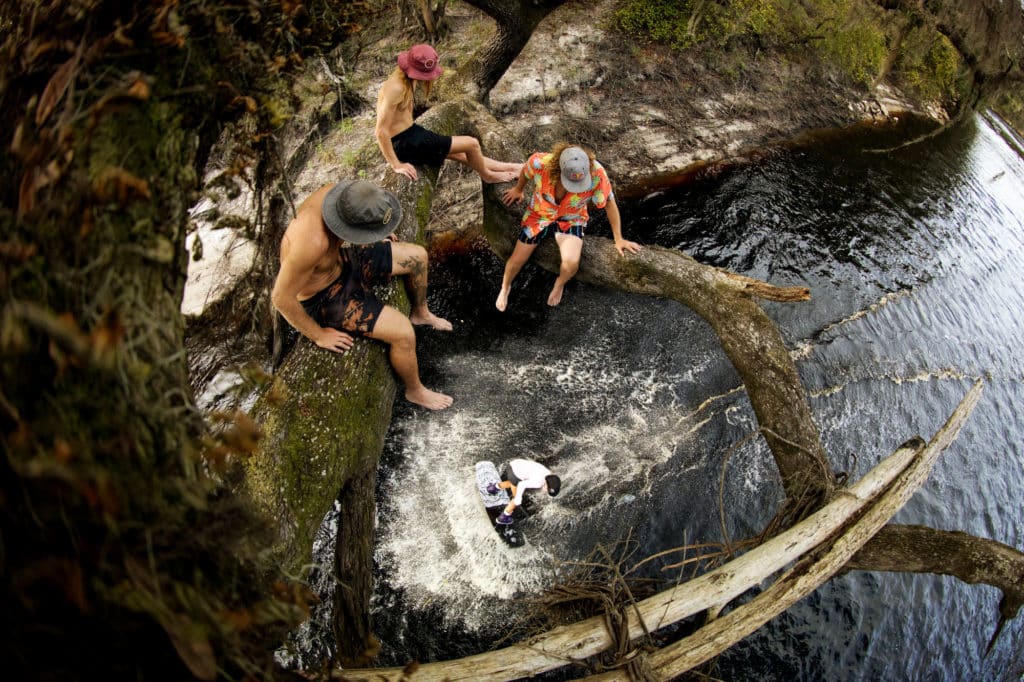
(872, 501)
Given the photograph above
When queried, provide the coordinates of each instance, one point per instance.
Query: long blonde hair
(410, 87)
(554, 168)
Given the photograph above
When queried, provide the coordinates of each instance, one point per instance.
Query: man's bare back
(394, 108)
(307, 228)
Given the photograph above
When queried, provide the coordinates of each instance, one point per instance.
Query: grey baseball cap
(575, 166)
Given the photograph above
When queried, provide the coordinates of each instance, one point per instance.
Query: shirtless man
(405, 143)
(338, 246)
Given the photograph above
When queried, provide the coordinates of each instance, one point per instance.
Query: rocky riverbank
(650, 113)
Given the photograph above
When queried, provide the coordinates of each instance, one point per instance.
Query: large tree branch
(974, 560)
(516, 20)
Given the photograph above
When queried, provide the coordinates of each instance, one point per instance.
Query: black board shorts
(348, 303)
(419, 146)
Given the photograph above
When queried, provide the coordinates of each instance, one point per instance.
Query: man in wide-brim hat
(339, 245)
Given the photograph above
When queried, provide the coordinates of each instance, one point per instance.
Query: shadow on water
(913, 259)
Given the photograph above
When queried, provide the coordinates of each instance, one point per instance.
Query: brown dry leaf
(192, 645)
(138, 90)
(17, 251)
(18, 145)
(165, 39)
(107, 335)
(119, 35)
(55, 89)
(62, 451)
(238, 620)
(248, 102)
(27, 193)
(117, 183)
(167, 29)
(88, 223)
(37, 48)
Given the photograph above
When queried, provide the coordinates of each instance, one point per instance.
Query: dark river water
(915, 260)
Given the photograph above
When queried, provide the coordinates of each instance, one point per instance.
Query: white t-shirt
(530, 474)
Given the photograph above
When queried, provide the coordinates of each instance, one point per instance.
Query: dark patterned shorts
(524, 234)
(348, 303)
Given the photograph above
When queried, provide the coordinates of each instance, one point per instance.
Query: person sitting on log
(563, 181)
(339, 245)
(522, 475)
(405, 143)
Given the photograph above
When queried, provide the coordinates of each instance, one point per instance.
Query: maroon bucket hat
(420, 62)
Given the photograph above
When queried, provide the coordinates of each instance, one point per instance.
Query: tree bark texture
(919, 549)
(516, 20)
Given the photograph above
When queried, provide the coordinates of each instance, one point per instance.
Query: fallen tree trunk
(908, 466)
(709, 641)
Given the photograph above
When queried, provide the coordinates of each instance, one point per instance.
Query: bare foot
(432, 400)
(555, 297)
(502, 301)
(429, 318)
(500, 176)
(511, 166)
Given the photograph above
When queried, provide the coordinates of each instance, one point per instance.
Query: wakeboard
(487, 473)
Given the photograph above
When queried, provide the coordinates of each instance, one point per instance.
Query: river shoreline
(653, 117)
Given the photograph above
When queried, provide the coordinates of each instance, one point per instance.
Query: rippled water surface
(914, 259)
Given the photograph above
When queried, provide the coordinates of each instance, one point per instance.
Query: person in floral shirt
(563, 182)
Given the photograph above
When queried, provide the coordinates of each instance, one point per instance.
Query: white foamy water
(606, 429)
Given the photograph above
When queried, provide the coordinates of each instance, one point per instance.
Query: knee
(571, 264)
(472, 145)
(405, 339)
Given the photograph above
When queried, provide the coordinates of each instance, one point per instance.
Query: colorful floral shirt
(543, 209)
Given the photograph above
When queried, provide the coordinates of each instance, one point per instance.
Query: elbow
(277, 299)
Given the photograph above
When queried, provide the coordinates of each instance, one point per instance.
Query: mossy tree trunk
(121, 557)
(324, 418)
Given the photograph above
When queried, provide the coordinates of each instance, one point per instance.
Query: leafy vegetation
(852, 38)
(931, 66)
